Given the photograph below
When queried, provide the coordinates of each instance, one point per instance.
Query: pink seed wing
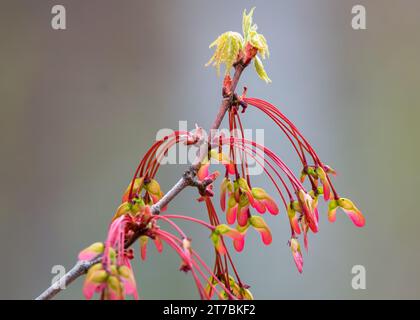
(231, 214)
(316, 214)
(243, 214)
(332, 215)
(220, 247)
(271, 206)
(295, 224)
(313, 225)
(87, 255)
(356, 216)
(239, 243)
(297, 256)
(266, 236)
(259, 206)
(311, 218)
(327, 192)
(250, 197)
(223, 199)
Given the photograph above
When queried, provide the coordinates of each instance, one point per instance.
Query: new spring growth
(232, 47)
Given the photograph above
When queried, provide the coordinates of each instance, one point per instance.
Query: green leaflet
(260, 70)
(231, 46)
(228, 45)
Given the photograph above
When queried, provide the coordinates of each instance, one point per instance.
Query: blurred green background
(79, 107)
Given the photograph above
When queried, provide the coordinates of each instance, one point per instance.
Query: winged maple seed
(242, 203)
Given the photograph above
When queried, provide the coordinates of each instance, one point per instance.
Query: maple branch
(187, 179)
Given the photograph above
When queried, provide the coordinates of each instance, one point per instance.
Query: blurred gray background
(79, 107)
